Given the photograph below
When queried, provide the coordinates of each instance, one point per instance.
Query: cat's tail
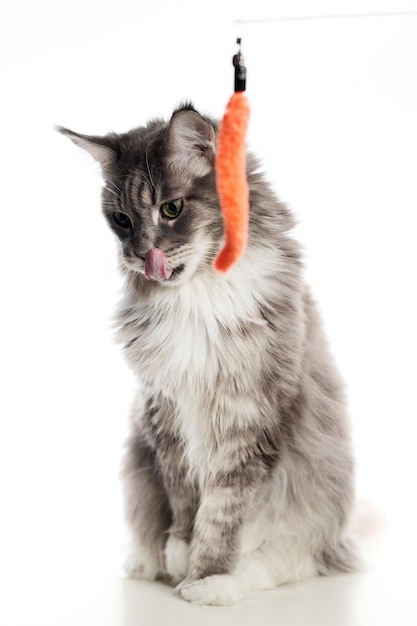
(351, 552)
(367, 530)
(367, 519)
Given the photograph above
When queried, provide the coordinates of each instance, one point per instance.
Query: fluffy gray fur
(238, 473)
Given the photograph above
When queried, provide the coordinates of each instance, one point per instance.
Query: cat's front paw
(142, 563)
(176, 558)
(219, 589)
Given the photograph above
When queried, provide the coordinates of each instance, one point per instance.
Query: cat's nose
(142, 244)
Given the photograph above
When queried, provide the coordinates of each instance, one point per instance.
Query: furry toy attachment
(232, 184)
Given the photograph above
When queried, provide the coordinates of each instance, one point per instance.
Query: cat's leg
(238, 467)
(162, 501)
(183, 499)
(177, 549)
(147, 511)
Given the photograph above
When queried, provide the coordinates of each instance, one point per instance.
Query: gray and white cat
(238, 474)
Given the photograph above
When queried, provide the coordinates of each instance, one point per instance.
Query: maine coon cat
(238, 473)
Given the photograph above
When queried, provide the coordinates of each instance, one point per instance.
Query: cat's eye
(122, 220)
(172, 209)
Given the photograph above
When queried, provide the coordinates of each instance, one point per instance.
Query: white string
(304, 18)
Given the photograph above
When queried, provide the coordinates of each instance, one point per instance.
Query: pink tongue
(155, 265)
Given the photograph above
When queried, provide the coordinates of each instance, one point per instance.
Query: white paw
(142, 563)
(219, 589)
(176, 558)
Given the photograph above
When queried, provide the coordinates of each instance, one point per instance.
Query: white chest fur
(185, 338)
(180, 333)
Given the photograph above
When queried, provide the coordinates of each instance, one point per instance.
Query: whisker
(149, 169)
(114, 193)
(146, 179)
(112, 272)
(110, 182)
(107, 257)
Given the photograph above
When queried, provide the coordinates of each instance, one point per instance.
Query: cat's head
(160, 195)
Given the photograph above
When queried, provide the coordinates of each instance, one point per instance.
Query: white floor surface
(381, 595)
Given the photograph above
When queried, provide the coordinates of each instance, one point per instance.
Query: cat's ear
(191, 142)
(102, 149)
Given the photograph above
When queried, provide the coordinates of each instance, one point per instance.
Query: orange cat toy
(232, 184)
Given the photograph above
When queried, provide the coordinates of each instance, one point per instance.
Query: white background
(333, 115)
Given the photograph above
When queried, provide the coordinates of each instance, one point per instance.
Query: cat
(239, 472)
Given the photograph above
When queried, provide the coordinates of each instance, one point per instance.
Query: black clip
(240, 69)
